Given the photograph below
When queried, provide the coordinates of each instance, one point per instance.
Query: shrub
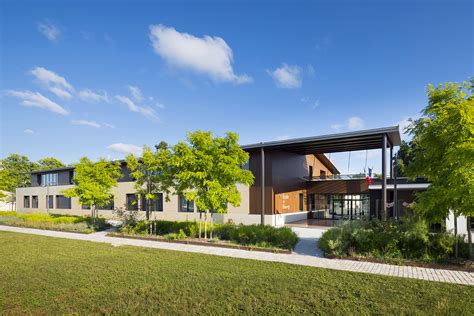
(408, 239)
(257, 235)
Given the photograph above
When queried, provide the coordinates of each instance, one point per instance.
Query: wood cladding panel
(338, 186)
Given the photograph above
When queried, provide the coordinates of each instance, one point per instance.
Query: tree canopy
(151, 173)
(14, 172)
(207, 170)
(94, 182)
(49, 163)
(444, 142)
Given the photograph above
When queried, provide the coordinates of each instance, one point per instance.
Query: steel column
(391, 162)
(384, 177)
(262, 214)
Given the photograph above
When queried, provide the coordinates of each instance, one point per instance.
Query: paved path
(302, 256)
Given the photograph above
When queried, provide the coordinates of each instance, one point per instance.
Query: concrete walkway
(302, 255)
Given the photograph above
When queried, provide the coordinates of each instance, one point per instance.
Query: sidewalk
(301, 257)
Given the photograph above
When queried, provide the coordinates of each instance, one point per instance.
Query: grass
(43, 275)
(69, 223)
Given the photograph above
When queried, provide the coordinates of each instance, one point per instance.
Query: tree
(405, 157)
(444, 141)
(14, 173)
(207, 170)
(49, 163)
(94, 182)
(151, 173)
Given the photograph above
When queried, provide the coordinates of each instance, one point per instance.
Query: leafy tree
(151, 173)
(94, 182)
(207, 170)
(444, 141)
(49, 163)
(405, 157)
(14, 173)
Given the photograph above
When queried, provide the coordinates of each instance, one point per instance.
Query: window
(63, 202)
(49, 201)
(322, 174)
(185, 205)
(108, 206)
(48, 179)
(301, 201)
(72, 174)
(131, 202)
(34, 201)
(155, 205)
(310, 172)
(85, 207)
(26, 201)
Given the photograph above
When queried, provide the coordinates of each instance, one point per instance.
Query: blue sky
(100, 79)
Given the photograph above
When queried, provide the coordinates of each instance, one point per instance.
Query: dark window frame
(189, 208)
(63, 202)
(129, 202)
(26, 201)
(34, 201)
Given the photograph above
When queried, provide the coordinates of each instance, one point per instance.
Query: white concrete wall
(238, 214)
(462, 225)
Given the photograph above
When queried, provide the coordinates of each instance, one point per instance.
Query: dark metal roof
(52, 170)
(350, 141)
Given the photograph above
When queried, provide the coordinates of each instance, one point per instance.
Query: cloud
(146, 111)
(109, 125)
(136, 93)
(208, 55)
(352, 123)
(85, 123)
(28, 131)
(53, 82)
(403, 124)
(88, 95)
(36, 99)
(287, 76)
(125, 148)
(159, 105)
(49, 30)
(282, 137)
(355, 123)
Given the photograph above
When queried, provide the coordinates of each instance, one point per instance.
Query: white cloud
(125, 148)
(28, 131)
(49, 30)
(159, 105)
(282, 137)
(352, 123)
(287, 76)
(36, 99)
(146, 111)
(87, 95)
(136, 93)
(86, 123)
(209, 55)
(109, 125)
(355, 123)
(53, 82)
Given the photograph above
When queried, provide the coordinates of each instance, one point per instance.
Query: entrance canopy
(332, 143)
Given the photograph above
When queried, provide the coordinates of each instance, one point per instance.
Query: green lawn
(43, 275)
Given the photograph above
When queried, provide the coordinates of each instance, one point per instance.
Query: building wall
(170, 208)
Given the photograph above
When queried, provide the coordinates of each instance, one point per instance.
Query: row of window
(131, 203)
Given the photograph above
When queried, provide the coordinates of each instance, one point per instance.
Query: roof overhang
(332, 143)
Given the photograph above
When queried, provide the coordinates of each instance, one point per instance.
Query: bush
(256, 235)
(53, 222)
(408, 239)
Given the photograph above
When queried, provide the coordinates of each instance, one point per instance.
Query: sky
(103, 78)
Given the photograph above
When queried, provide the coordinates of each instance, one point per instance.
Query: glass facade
(49, 179)
(339, 206)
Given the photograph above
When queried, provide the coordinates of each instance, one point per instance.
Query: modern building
(294, 180)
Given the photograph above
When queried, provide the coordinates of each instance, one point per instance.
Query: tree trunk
(205, 225)
(210, 228)
(469, 237)
(200, 222)
(455, 235)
